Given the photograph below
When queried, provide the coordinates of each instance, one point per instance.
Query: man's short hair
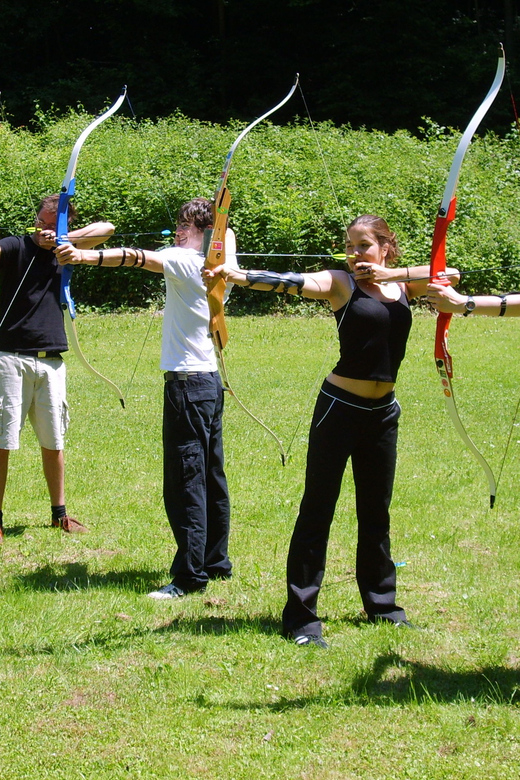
(50, 203)
(198, 212)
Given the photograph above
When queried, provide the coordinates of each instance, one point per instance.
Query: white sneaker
(170, 591)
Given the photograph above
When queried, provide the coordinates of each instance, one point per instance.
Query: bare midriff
(365, 388)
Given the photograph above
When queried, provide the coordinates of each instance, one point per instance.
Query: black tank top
(372, 337)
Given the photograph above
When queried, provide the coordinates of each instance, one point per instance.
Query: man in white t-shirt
(194, 482)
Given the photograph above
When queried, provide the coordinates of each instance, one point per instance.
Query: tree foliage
(294, 189)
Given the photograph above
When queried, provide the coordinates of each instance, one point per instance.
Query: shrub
(294, 189)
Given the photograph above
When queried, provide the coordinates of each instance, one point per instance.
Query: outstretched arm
(449, 301)
(114, 258)
(91, 235)
(319, 285)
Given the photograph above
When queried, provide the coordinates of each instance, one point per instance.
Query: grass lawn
(98, 681)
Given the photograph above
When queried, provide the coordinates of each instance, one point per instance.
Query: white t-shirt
(186, 343)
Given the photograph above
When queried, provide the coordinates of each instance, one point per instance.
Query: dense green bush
(294, 189)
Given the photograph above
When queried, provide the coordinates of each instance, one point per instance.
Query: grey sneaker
(170, 591)
(310, 639)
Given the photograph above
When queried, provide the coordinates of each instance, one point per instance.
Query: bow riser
(437, 267)
(438, 252)
(216, 255)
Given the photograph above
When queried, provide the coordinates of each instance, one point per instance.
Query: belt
(55, 355)
(179, 376)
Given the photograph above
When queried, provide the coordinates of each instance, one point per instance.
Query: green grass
(98, 681)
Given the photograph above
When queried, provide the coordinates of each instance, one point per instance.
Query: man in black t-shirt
(32, 338)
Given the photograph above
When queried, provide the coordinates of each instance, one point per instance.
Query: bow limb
(66, 193)
(227, 164)
(72, 336)
(215, 253)
(225, 381)
(69, 315)
(445, 216)
(215, 239)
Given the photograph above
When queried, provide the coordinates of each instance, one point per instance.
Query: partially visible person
(356, 416)
(449, 301)
(32, 340)
(195, 488)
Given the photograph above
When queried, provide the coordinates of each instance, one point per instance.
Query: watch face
(470, 305)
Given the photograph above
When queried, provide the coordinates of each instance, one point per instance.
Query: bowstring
(513, 103)
(32, 206)
(158, 190)
(517, 408)
(322, 158)
(326, 357)
(510, 436)
(162, 197)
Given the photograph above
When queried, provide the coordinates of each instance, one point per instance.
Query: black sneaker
(170, 591)
(310, 639)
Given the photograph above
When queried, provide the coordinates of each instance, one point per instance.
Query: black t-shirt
(34, 320)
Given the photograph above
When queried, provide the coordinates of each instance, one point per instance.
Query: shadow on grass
(75, 576)
(14, 530)
(415, 683)
(220, 626)
(111, 635)
(393, 679)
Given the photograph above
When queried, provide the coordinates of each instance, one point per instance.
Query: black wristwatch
(469, 306)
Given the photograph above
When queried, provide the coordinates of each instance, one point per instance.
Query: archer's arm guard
(274, 280)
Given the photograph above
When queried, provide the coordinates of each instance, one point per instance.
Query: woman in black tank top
(356, 416)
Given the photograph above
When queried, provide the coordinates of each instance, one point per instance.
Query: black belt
(55, 355)
(179, 376)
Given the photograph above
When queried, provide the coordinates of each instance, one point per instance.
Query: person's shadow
(428, 683)
(413, 683)
(15, 530)
(76, 576)
(390, 680)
